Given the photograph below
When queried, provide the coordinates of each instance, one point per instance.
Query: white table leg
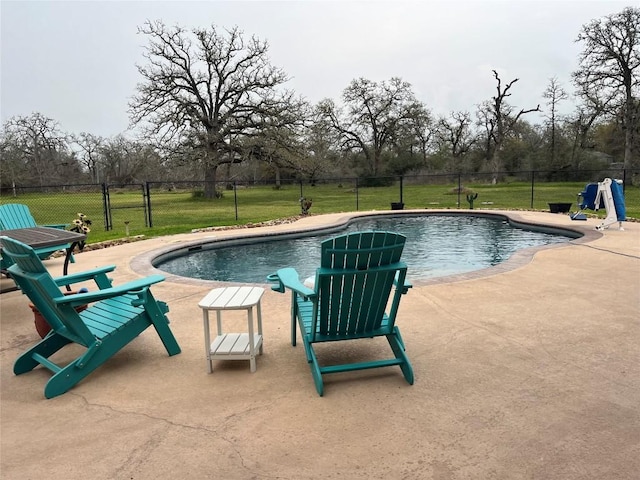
(259, 312)
(219, 320)
(207, 340)
(252, 353)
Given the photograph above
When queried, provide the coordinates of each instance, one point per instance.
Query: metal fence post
(533, 175)
(459, 188)
(106, 207)
(356, 194)
(235, 197)
(147, 190)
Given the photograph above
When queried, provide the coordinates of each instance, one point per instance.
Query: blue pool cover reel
(589, 199)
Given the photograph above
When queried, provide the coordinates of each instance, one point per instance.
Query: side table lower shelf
(231, 346)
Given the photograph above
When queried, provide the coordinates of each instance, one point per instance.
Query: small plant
(470, 198)
(305, 205)
(81, 224)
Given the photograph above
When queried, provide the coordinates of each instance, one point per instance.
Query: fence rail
(119, 208)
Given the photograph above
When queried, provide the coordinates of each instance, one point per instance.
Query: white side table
(232, 346)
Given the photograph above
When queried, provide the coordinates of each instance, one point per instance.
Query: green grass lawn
(179, 211)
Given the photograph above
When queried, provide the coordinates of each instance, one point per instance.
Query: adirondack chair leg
(157, 310)
(85, 364)
(398, 349)
(397, 332)
(45, 348)
(71, 374)
(61, 382)
(315, 370)
(294, 315)
(308, 349)
(166, 335)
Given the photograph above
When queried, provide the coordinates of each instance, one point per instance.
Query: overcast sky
(75, 61)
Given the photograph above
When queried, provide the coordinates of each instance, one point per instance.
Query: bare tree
(416, 130)
(126, 161)
(38, 144)
(279, 148)
(373, 113)
(555, 94)
(13, 169)
(456, 134)
(320, 142)
(282, 146)
(90, 152)
(208, 90)
(609, 67)
(595, 104)
(499, 121)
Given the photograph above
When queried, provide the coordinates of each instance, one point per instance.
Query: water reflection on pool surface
(437, 245)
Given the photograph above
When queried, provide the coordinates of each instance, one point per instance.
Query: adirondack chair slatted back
(36, 282)
(15, 215)
(355, 280)
(362, 250)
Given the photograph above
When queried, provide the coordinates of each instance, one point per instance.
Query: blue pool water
(437, 245)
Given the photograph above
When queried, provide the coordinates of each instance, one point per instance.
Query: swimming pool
(437, 245)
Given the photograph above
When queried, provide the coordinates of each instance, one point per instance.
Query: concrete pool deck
(529, 370)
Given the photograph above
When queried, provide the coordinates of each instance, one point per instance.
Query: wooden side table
(232, 346)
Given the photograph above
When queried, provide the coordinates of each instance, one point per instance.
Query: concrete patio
(528, 370)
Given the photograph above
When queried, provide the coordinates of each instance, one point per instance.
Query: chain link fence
(58, 204)
(132, 209)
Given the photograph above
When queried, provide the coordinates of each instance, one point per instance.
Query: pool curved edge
(143, 264)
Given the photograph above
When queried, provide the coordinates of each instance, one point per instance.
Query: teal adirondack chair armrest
(96, 274)
(278, 286)
(289, 278)
(59, 226)
(133, 287)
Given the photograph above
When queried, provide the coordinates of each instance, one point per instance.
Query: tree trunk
(630, 126)
(628, 152)
(553, 136)
(278, 180)
(495, 165)
(210, 181)
(375, 167)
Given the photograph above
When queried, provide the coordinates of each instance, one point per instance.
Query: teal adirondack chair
(16, 215)
(117, 317)
(358, 274)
